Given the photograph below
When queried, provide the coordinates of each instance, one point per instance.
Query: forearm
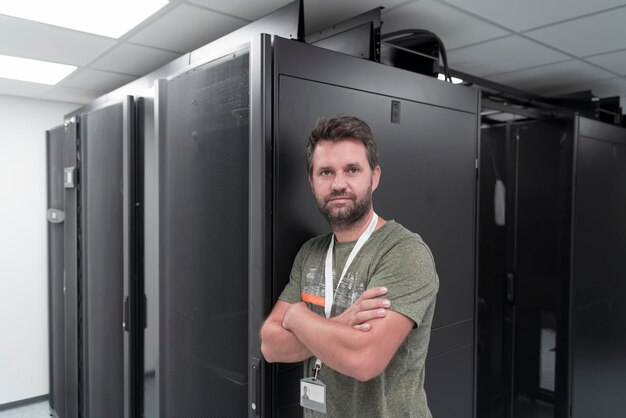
(339, 346)
(281, 345)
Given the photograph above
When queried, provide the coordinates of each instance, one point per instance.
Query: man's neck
(354, 231)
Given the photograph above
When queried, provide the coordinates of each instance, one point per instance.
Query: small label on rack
(395, 111)
(68, 177)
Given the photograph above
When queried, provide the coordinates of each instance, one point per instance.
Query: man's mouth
(339, 199)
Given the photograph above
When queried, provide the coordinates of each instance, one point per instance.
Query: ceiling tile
(22, 88)
(549, 78)
(528, 14)
(245, 9)
(67, 94)
(502, 55)
(615, 61)
(96, 80)
(133, 59)
(321, 14)
(186, 28)
(28, 39)
(455, 28)
(591, 35)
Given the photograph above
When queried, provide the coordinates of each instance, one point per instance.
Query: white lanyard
(330, 294)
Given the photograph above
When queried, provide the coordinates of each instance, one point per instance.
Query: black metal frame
(260, 224)
(72, 275)
(56, 298)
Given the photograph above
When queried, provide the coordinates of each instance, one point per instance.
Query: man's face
(342, 181)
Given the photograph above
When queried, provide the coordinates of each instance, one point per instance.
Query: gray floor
(35, 410)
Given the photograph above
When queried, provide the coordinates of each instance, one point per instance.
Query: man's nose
(339, 182)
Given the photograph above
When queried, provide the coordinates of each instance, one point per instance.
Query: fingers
(367, 305)
(373, 293)
(365, 316)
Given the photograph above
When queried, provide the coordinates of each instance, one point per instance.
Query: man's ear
(376, 177)
(311, 182)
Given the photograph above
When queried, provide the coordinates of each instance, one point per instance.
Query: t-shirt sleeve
(292, 292)
(408, 272)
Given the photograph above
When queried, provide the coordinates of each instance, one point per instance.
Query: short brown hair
(340, 128)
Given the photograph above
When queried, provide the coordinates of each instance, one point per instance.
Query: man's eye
(325, 173)
(353, 170)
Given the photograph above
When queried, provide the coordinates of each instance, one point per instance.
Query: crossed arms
(359, 343)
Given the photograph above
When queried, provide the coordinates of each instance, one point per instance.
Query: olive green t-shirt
(398, 259)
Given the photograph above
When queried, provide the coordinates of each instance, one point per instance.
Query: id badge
(313, 394)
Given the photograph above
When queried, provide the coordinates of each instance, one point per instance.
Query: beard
(347, 215)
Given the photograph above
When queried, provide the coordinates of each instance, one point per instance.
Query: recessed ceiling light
(111, 18)
(33, 70)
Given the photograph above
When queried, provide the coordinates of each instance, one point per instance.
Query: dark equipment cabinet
(107, 260)
(428, 159)
(210, 162)
(551, 278)
(203, 228)
(92, 328)
(598, 284)
(56, 274)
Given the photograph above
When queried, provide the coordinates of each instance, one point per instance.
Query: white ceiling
(543, 47)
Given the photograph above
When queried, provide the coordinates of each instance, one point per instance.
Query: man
(359, 304)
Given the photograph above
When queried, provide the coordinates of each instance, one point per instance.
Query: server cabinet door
(538, 190)
(56, 298)
(428, 184)
(598, 335)
(203, 133)
(107, 251)
(70, 255)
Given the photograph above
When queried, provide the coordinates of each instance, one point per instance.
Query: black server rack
(95, 335)
(107, 143)
(598, 288)
(203, 236)
(428, 159)
(547, 315)
(56, 274)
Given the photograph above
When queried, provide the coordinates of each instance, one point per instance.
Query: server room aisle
(35, 410)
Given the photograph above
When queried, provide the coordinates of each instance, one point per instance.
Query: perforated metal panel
(203, 191)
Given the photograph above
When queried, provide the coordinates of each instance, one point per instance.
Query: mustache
(341, 195)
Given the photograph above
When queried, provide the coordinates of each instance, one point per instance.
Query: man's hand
(366, 308)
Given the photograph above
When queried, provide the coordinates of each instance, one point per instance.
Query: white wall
(23, 245)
